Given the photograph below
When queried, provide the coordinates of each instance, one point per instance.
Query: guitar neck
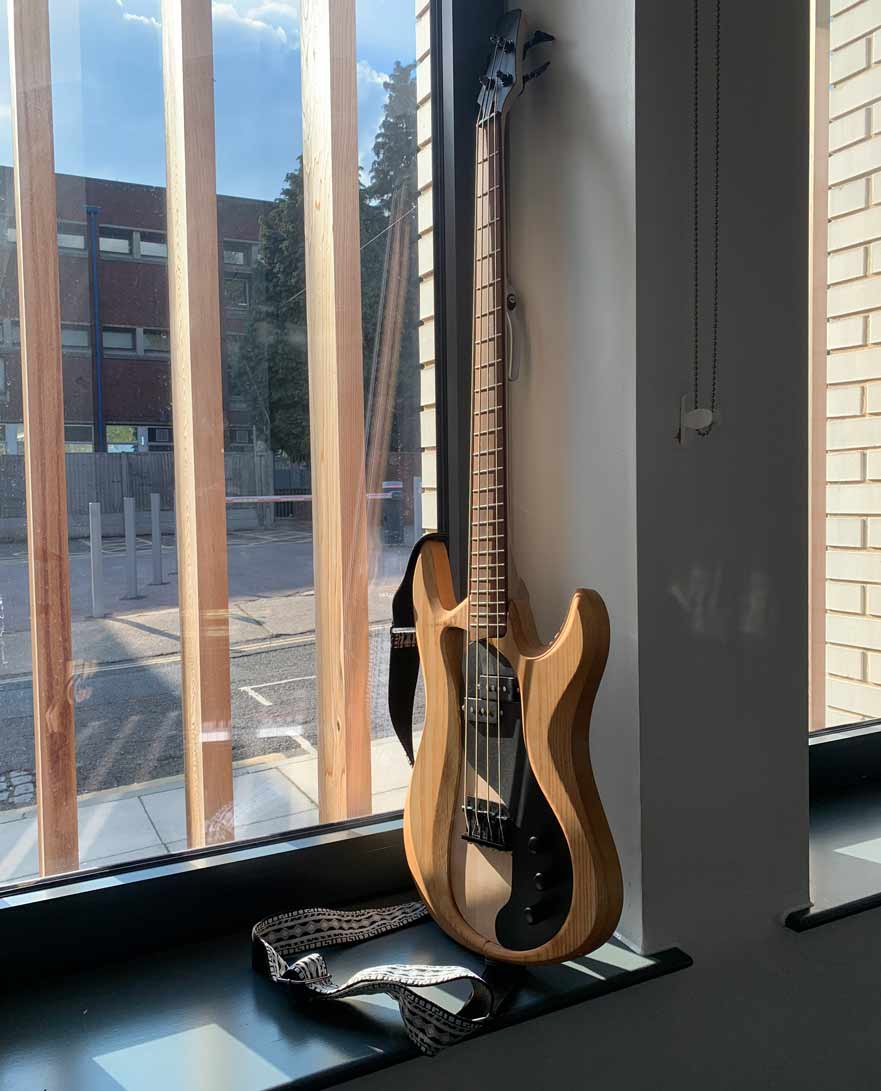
(488, 538)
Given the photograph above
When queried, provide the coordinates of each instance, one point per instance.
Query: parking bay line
(252, 690)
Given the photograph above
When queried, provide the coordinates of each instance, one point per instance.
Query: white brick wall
(426, 265)
(853, 462)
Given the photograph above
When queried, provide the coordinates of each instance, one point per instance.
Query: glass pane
(386, 51)
(119, 339)
(115, 242)
(157, 341)
(75, 337)
(153, 245)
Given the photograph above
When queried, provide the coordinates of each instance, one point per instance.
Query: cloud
(142, 20)
(277, 19)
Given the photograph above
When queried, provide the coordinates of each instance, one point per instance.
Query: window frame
(457, 49)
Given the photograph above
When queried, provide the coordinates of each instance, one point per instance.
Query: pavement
(271, 795)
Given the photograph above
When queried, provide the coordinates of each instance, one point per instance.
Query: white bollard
(96, 559)
(131, 549)
(156, 542)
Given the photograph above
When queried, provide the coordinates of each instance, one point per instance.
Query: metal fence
(108, 478)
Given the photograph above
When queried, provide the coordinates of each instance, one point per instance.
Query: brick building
(853, 367)
(114, 311)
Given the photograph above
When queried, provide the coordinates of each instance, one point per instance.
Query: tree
(274, 351)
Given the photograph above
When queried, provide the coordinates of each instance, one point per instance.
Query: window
(153, 245)
(75, 337)
(4, 387)
(159, 439)
(16, 333)
(236, 292)
(236, 253)
(78, 438)
(114, 241)
(72, 236)
(258, 765)
(157, 341)
(122, 439)
(117, 339)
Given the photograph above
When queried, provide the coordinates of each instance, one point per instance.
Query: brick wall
(426, 265)
(853, 467)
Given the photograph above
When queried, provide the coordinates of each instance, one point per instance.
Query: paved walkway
(272, 795)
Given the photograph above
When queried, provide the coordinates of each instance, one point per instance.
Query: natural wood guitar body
(464, 884)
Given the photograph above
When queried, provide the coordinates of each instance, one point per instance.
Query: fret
(489, 224)
(486, 389)
(489, 488)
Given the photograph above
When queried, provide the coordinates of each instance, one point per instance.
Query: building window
(16, 333)
(78, 438)
(238, 437)
(157, 341)
(10, 233)
(236, 253)
(159, 439)
(72, 236)
(118, 339)
(113, 240)
(4, 386)
(122, 439)
(236, 292)
(153, 244)
(75, 337)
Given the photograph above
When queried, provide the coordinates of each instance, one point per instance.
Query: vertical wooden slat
(198, 417)
(818, 202)
(43, 398)
(336, 403)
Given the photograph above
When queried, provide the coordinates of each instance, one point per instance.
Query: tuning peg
(538, 38)
(487, 81)
(502, 43)
(536, 72)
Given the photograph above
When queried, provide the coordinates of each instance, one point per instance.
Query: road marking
(252, 690)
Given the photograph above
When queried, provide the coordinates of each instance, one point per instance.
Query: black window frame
(342, 861)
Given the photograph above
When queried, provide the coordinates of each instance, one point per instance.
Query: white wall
(721, 533)
(573, 410)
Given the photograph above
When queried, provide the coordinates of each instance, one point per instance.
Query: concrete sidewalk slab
(140, 821)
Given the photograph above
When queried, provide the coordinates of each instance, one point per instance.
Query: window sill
(845, 837)
(181, 1017)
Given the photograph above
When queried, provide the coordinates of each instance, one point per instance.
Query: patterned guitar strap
(277, 942)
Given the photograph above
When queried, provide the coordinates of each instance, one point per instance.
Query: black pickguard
(524, 824)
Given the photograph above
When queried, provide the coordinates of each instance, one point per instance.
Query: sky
(107, 87)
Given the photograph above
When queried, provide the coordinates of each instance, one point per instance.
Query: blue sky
(107, 80)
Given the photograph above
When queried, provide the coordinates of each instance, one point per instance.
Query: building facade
(113, 266)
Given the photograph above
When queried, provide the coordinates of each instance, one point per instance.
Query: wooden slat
(818, 274)
(336, 403)
(43, 398)
(198, 417)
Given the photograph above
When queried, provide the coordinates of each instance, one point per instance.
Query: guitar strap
(278, 943)
(403, 672)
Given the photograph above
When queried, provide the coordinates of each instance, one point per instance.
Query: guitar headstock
(506, 76)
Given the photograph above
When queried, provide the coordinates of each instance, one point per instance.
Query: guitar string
(497, 243)
(467, 711)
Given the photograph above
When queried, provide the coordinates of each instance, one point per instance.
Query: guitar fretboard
(488, 553)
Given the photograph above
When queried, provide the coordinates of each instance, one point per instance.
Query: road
(128, 712)
(128, 716)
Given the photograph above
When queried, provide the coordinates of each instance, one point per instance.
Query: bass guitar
(504, 829)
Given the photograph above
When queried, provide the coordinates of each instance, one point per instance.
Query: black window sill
(845, 837)
(197, 1016)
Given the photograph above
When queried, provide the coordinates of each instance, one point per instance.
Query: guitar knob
(542, 880)
(533, 845)
(533, 914)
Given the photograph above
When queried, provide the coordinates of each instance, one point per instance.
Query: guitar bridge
(487, 823)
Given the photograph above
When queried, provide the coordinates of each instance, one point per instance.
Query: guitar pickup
(482, 710)
(487, 823)
(496, 688)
